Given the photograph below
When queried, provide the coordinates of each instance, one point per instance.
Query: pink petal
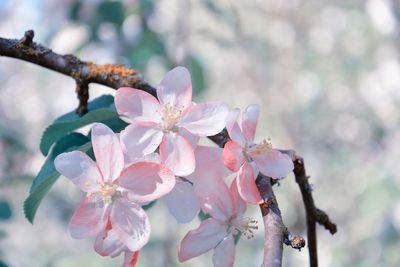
(214, 197)
(137, 104)
(140, 139)
(130, 224)
(233, 155)
(209, 162)
(176, 88)
(89, 219)
(224, 253)
(182, 202)
(152, 157)
(147, 181)
(205, 119)
(198, 241)
(247, 186)
(177, 154)
(108, 244)
(234, 131)
(191, 138)
(130, 259)
(108, 152)
(249, 121)
(238, 203)
(273, 163)
(80, 169)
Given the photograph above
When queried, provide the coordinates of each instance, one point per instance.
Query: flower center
(264, 146)
(105, 193)
(170, 116)
(245, 225)
(261, 148)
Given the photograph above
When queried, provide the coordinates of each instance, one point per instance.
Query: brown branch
(82, 91)
(84, 72)
(294, 241)
(115, 76)
(275, 232)
(313, 214)
(273, 224)
(27, 39)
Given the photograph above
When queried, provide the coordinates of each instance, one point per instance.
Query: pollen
(246, 226)
(105, 193)
(261, 148)
(170, 116)
(249, 225)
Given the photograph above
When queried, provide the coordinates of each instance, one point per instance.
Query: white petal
(224, 253)
(182, 202)
(176, 88)
(80, 169)
(130, 224)
(196, 242)
(205, 119)
(108, 152)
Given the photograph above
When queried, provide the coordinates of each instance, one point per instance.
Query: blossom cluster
(157, 156)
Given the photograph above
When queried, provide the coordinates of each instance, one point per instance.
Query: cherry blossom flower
(241, 154)
(172, 122)
(182, 202)
(108, 244)
(217, 232)
(113, 192)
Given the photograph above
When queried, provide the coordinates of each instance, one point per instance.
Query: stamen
(262, 147)
(248, 225)
(105, 193)
(171, 115)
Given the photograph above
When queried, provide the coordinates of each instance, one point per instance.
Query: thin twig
(313, 214)
(82, 91)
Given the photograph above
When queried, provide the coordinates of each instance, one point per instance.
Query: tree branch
(111, 75)
(275, 232)
(313, 214)
(116, 76)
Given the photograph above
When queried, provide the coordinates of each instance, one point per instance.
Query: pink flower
(113, 192)
(226, 209)
(182, 202)
(242, 154)
(108, 244)
(173, 122)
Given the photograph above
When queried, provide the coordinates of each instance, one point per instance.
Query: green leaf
(2, 264)
(99, 110)
(5, 210)
(48, 174)
(116, 124)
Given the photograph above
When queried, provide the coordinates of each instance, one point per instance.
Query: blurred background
(327, 74)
